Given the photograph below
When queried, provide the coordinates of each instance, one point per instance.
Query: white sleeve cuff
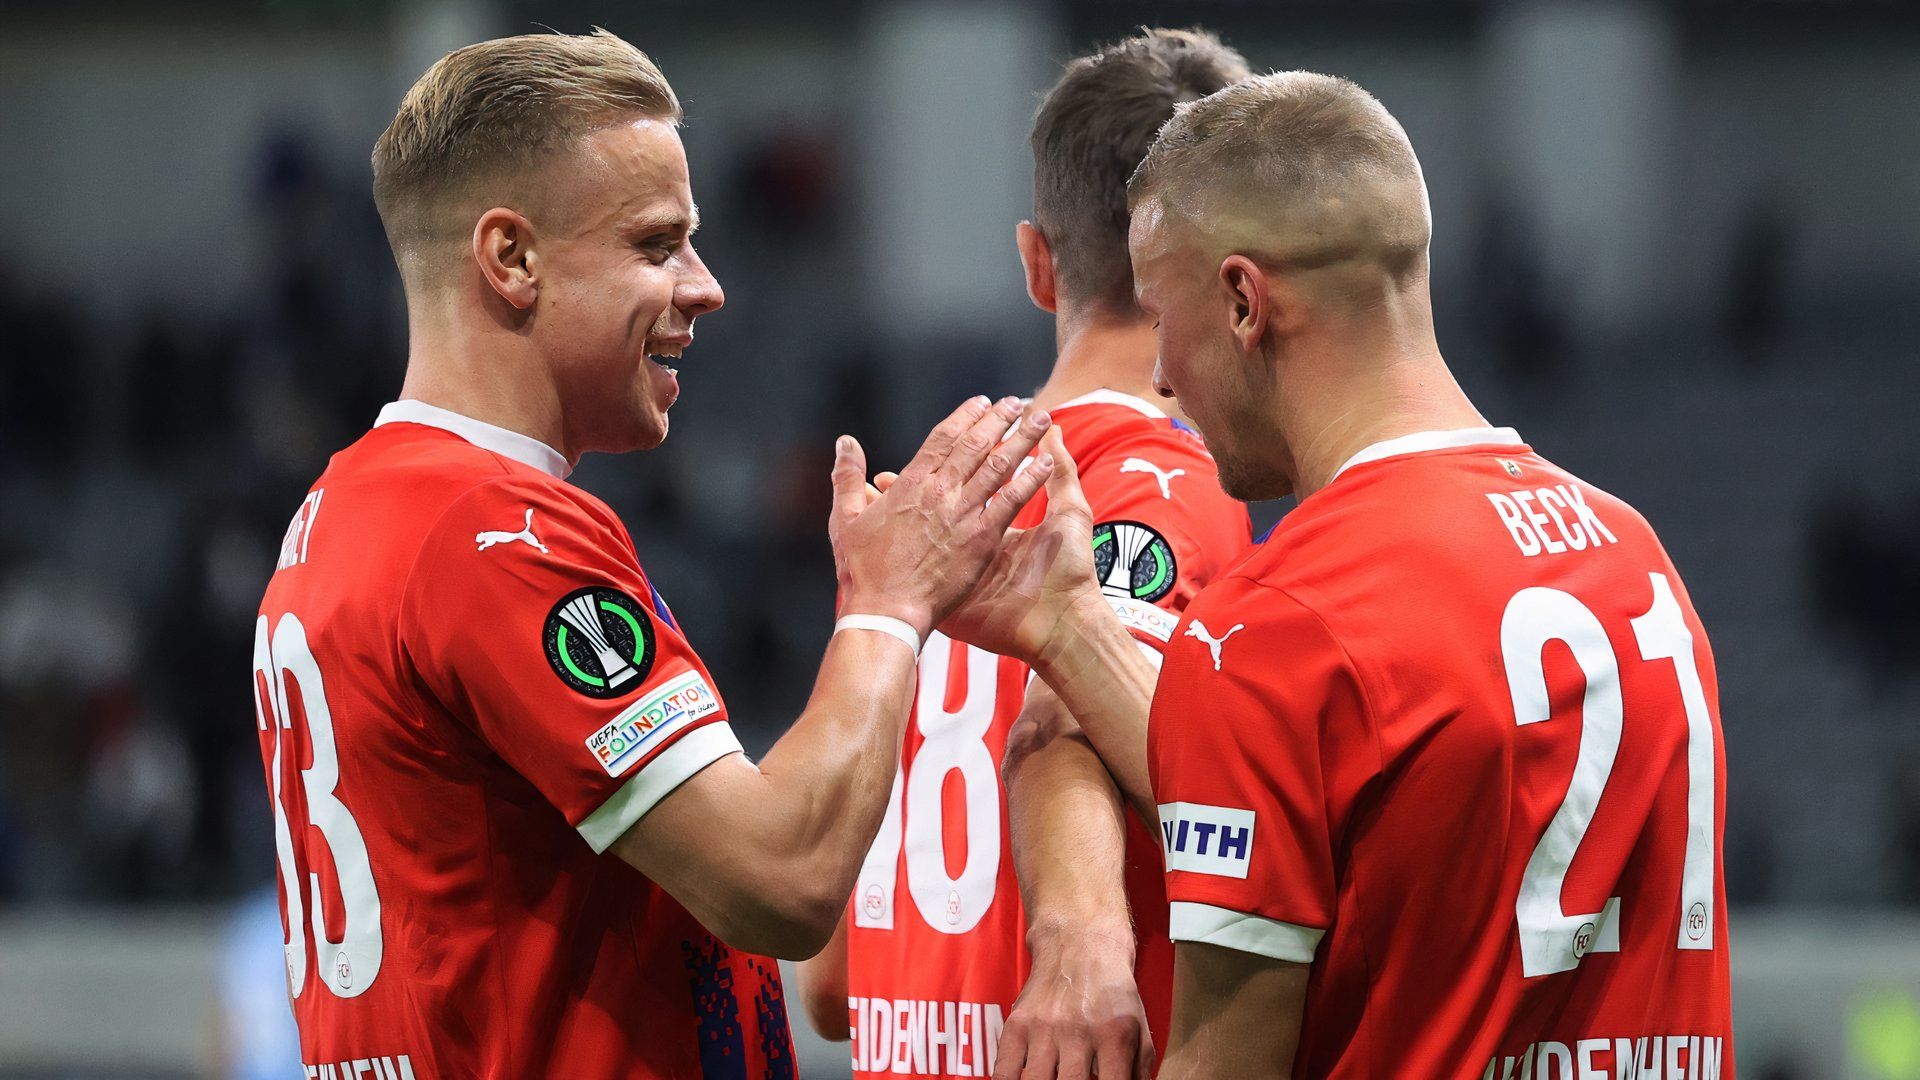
(692, 752)
(1246, 933)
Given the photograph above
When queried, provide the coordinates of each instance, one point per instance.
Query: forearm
(823, 987)
(1069, 834)
(1106, 682)
(794, 829)
(1236, 1015)
(827, 780)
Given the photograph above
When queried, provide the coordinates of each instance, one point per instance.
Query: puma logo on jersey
(525, 536)
(1198, 629)
(1165, 479)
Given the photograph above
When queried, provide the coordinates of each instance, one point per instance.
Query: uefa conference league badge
(1132, 561)
(599, 641)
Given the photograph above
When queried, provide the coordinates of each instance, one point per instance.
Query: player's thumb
(849, 480)
(1063, 486)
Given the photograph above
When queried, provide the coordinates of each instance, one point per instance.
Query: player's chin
(1248, 481)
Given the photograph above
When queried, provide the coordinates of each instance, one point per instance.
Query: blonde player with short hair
(1438, 767)
(516, 834)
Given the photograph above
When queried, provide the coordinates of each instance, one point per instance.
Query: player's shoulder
(1109, 424)
(446, 480)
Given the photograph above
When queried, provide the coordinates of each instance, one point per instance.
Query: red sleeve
(528, 618)
(1236, 750)
(1163, 527)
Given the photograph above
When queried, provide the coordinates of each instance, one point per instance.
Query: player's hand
(1079, 1015)
(915, 550)
(1039, 576)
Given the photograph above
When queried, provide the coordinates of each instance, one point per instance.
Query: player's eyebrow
(652, 221)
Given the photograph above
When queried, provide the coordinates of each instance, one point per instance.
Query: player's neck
(1363, 402)
(1102, 354)
(480, 379)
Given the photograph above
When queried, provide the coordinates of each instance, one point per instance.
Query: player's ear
(1249, 305)
(1036, 258)
(503, 248)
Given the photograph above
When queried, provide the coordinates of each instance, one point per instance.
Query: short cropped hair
(1289, 131)
(1090, 133)
(489, 112)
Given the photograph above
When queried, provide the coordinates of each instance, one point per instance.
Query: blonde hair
(486, 114)
(1288, 148)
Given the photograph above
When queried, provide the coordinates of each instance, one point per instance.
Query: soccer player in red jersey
(948, 965)
(1438, 767)
(516, 834)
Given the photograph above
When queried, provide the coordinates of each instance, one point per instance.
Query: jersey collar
(1423, 441)
(1115, 397)
(524, 449)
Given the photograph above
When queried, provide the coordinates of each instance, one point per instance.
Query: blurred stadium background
(1678, 247)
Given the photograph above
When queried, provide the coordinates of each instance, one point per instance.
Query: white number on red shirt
(955, 741)
(1552, 940)
(353, 962)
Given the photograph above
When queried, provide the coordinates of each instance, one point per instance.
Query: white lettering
(1583, 1051)
(1676, 1045)
(1626, 1061)
(1708, 1068)
(1576, 536)
(1516, 524)
(1537, 521)
(921, 1038)
(1587, 517)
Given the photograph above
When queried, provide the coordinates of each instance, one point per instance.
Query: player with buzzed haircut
(516, 834)
(1438, 767)
(948, 965)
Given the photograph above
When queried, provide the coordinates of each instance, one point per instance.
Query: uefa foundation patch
(1132, 561)
(678, 702)
(599, 641)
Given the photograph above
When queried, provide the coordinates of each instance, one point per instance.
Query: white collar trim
(1421, 442)
(524, 449)
(1115, 397)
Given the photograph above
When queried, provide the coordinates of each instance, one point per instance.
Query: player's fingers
(1076, 1059)
(980, 438)
(1002, 460)
(1117, 1055)
(1043, 1060)
(1006, 504)
(849, 480)
(1144, 1059)
(1011, 1056)
(939, 441)
(885, 480)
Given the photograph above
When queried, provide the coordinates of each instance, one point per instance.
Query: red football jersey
(467, 690)
(936, 937)
(1451, 734)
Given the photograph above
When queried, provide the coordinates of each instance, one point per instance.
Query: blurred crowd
(148, 471)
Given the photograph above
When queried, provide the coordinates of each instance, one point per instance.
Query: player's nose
(698, 291)
(1160, 385)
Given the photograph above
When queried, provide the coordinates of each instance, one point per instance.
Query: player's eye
(658, 248)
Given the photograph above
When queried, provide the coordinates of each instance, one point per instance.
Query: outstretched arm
(1079, 1013)
(765, 856)
(1040, 603)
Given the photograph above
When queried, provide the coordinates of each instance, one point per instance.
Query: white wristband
(885, 624)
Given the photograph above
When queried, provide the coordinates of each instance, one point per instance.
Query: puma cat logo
(525, 536)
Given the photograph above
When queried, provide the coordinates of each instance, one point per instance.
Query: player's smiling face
(1221, 388)
(621, 284)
